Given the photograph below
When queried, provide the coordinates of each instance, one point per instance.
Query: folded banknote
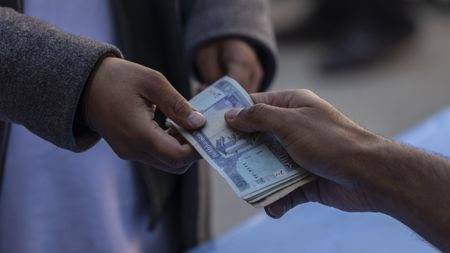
(255, 165)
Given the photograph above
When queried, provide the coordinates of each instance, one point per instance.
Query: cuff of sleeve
(249, 20)
(44, 71)
(83, 135)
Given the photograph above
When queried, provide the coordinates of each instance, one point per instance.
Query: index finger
(287, 98)
(167, 149)
(208, 63)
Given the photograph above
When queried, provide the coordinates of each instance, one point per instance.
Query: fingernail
(275, 211)
(233, 113)
(196, 119)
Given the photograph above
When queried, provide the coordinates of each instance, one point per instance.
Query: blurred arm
(248, 20)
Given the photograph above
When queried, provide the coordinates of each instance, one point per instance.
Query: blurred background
(384, 63)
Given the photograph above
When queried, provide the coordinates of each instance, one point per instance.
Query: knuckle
(153, 82)
(231, 63)
(256, 110)
(303, 116)
(158, 76)
(157, 79)
(242, 63)
(305, 92)
(179, 107)
(232, 58)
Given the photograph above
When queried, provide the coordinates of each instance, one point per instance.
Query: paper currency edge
(269, 199)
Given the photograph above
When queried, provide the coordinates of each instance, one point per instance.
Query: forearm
(43, 71)
(413, 187)
(357, 170)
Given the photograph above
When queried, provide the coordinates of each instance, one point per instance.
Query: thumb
(259, 117)
(182, 113)
(175, 106)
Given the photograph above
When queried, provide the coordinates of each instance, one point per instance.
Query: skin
(357, 170)
(229, 56)
(120, 104)
(122, 97)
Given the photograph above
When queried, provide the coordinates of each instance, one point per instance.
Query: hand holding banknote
(306, 125)
(356, 170)
(256, 165)
(272, 146)
(119, 104)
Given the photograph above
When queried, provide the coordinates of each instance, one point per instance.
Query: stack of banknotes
(255, 165)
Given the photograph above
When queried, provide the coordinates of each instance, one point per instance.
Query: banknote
(256, 166)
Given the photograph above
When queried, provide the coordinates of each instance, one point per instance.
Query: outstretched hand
(321, 140)
(120, 104)
(357, 170)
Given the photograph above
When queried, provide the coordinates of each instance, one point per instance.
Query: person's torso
(53, 200)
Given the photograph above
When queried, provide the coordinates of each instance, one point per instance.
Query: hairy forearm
(414, 187)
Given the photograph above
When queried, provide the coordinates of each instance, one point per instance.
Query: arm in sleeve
(43, 71)
(247, 19)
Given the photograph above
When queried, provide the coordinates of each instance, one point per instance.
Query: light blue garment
(55, 201)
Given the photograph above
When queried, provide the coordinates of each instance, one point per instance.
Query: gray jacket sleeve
(43, 71)
(248, 19)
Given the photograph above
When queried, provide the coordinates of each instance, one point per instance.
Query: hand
(120, 105)
(233, 57)
(321, 140)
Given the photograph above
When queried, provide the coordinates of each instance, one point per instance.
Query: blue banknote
(255, 165)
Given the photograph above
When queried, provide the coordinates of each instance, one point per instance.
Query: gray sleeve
(248, 19)
(43, 71)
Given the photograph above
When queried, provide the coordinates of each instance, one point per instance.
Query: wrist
(402, 180)
(379, 175)
(86, 97)
(412, 186)
(367, 162)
